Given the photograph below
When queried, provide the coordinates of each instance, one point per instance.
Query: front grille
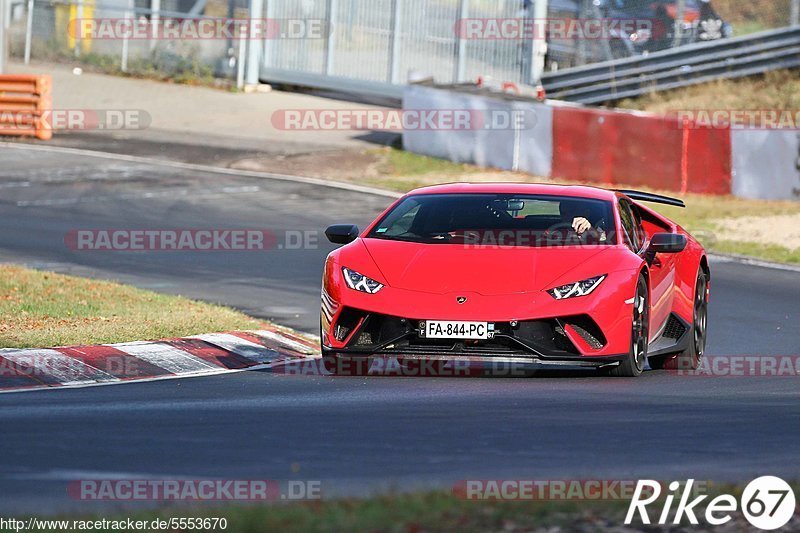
(349, 319)
(588, 330)
(590, 339)
(378, 333)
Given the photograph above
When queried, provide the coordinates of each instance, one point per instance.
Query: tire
(329, 361)
(691, 358)
(633, 365)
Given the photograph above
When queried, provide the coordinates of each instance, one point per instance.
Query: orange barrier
(24, 100)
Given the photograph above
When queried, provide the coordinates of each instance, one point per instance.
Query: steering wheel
(568, 229)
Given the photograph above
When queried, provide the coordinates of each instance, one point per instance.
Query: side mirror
(342, 233)
(667, 243)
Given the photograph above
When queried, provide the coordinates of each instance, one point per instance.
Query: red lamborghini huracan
(529, 273)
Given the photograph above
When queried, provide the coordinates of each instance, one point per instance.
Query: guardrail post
(394, 43)
(29, 32)
(795, 16)
(459, 72)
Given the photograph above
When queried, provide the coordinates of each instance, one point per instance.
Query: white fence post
(78, 26)
(330, 46)
(155, 19)
(29, 32)
(539, 48)
(3, 38)
(460, 69)
(394, 43)
(123, 63)
(253, 51)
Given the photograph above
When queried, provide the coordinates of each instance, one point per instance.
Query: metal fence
(670, 69)
(377, 45)
(380, 42)
(45, 30)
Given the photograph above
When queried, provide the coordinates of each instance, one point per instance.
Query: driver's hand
(581, 225)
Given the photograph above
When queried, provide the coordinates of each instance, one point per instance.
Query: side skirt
(667, 343)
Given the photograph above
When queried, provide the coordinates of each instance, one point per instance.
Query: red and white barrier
(609, 147)
(215, 353)
(641, 150)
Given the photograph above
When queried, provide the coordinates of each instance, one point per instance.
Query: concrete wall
(766, 164)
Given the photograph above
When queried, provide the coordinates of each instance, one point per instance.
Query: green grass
(43, 309)
(402, 163)
(439, 511)
(769, 252)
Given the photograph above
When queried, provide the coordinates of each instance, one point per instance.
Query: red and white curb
(199, 355)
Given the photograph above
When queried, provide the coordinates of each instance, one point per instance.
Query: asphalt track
(356, 435)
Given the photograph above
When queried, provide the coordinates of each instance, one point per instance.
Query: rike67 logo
(768, 503)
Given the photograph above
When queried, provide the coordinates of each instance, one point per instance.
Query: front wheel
(690, 358)
(633, 365)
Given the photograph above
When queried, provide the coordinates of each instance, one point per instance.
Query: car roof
(577, 191)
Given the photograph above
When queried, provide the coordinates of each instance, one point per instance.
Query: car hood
(447, 268)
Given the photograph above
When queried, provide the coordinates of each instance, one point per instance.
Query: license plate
(450, 329)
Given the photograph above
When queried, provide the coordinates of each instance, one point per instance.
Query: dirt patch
(338, 165)
(780, 230)
(373, 167)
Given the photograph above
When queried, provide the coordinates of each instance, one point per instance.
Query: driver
(576, 213)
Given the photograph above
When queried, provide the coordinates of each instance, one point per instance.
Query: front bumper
(359, 332)
(454, 365)
(593, 328)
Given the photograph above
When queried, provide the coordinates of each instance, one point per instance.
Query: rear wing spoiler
(650, 197)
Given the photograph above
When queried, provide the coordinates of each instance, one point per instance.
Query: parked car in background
(657, 28)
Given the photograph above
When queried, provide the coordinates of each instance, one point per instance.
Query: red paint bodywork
(507, 283)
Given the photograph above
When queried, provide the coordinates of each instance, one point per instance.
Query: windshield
(497, 219)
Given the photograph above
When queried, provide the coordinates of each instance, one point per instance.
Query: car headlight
(579, 288)
(360, 282)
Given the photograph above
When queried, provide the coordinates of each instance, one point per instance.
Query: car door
(662, 267)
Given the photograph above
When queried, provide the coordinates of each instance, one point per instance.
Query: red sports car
(529, 273)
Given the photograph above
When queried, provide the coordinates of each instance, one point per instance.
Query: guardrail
(670, 69)
(24, 99)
